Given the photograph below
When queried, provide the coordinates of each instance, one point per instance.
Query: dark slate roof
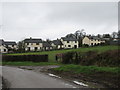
(57, 42)
(69, 39)
(94, 37)
(10, 43)
(1, 42)
(46, 44)
(33, 40)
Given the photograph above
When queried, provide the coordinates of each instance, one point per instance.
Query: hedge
(33, 58)
(108, 58)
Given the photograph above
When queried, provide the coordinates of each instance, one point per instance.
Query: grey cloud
(52, 20)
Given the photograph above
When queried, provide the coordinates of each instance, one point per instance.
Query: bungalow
(69, 42)
(92, 40)
(3, 49)
(57, 44)
(33, 44)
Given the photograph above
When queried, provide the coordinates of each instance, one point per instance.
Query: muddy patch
(97, 80)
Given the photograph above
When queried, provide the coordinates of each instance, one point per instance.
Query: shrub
(108, 58)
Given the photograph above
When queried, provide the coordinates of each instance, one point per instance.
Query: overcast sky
(56, 19)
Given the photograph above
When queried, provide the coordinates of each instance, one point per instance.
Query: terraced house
(92, 40)
(31, 44)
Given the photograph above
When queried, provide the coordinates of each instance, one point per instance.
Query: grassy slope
(52, 54)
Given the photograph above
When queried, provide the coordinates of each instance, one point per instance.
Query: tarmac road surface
(20, 78)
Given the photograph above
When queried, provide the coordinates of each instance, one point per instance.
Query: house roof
(95, 38)
(10, 43)
(46, 44)
(33, 40)
(69, 39)
(57, 42)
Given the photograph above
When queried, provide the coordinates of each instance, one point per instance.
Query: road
(20, 78)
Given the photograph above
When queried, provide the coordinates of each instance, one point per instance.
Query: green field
(51, 54)
(87, 69)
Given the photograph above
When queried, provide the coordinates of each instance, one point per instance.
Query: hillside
(52, 54)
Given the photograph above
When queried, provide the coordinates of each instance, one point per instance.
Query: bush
(67, 58)
(108, 58)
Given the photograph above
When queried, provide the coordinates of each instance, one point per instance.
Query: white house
(33, 44)
(69, 42)
(3, 49)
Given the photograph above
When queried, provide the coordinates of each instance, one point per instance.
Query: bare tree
(79, 35)
(114, 34)
(71, 35)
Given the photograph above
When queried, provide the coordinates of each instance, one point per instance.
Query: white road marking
(53, 75)
(80, 83)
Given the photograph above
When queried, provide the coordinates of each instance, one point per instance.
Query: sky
(52, 20)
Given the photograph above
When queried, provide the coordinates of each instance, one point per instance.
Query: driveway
(21, 78)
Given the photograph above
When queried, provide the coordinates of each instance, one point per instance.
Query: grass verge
(29, 63)
(87, 69)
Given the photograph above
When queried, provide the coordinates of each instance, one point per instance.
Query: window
(75, 41)
(31, 43)
(4, 50)
(75, 46)
(28, 48)
(91, 44)
(37, 43)
(69, 45)
(36, 48)
(12, 45)
(67, 41)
